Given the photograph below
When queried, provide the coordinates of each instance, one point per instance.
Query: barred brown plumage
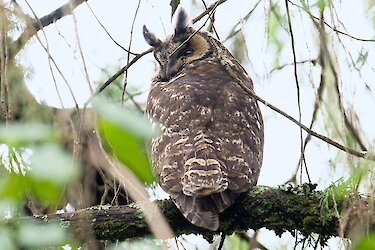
(211, 145)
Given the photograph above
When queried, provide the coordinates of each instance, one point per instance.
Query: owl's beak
(171, 69)
(163, 73)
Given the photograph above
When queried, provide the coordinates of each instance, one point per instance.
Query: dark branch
(279, 209)
(34, 25)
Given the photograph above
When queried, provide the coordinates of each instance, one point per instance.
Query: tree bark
(280, 209)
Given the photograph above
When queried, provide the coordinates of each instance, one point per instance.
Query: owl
(211, 144)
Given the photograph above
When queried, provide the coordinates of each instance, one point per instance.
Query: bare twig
(118, 73)
(329, 62)
(212, 23)
(50, 58)
(235, 28)
(34, 25)
(330, 26)
(81, 52)
(128, 56)
(297, 87)
(140, 55)
(366, 155)
(107, 32)
(313, 61)
(208, 10)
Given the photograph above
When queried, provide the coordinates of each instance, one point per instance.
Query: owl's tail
(204, 175)
(204, 211)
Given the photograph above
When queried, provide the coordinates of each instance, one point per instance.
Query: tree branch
(280, 209)
(34, 25)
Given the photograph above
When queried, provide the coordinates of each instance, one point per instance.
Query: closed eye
(186, 52)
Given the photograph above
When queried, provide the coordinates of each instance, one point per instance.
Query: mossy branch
(279, 209)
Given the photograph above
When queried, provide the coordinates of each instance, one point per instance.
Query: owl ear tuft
(150, 38)
(182, 22)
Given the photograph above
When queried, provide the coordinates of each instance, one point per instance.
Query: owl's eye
(186, 52)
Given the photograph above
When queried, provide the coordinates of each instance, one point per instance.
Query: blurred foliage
(361, 59)
(367, 243)
(34, 235)
(344, 189)
(238, 46)
(320, 5)
(114, 93)
(124, 133)
(276, 21)
(47, 169)
(370, 9)
(235, 242)
(26, 134)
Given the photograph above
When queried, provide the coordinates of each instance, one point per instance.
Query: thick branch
(278, 209)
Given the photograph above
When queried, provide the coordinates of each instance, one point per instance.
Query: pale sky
(281, 136)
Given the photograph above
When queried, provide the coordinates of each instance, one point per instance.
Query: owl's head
(182, 48)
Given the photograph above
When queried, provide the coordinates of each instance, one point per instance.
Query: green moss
(138, 214)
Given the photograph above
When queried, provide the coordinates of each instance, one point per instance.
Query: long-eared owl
(211, 146)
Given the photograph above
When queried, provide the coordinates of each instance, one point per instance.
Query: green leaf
(23, 134)
(321, 5)
(35, 235)
(47, 192)
(129, 120)
(51, 169)
(13, 187)
(49, 162)
(362, 58)
(235, 242)
(123, 134)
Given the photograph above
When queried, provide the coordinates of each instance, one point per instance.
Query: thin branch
(363, 154)
(317, 104)
(312, 61)
(212, 23)
(86, 74)
(208, 10)
(107, 32)
(330, 26)
(297, 87)
(366, 155)
(34, 25)
(140, 55)
(327, 60)
(50, 58)
(118, 73)
(128, 56)
(235, 28)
